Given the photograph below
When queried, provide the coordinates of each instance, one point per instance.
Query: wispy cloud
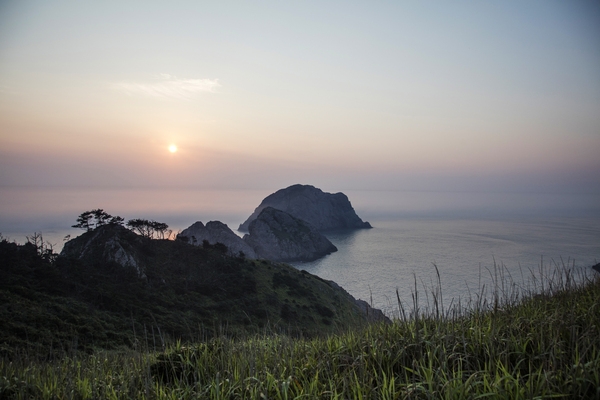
(168, 86)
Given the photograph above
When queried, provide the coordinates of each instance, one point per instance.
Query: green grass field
(521, 344)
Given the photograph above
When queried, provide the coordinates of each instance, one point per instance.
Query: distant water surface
(372, 264)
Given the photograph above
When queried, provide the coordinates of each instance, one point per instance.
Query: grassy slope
(542, 346)
(190, 293)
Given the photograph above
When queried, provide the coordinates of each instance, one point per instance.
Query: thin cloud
(169, 87)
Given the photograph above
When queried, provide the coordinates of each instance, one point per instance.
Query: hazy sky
(478, 96)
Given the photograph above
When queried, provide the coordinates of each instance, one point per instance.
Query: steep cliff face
(216, 232)
(108, 243)
(324, 211)
(278, 236)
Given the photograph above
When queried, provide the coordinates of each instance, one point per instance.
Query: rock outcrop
(108, 243)
(216, 232)
(325, 211)
(278, 236)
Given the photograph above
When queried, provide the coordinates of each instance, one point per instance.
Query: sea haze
(463, 234)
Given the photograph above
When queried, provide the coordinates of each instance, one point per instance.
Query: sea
(426, 250)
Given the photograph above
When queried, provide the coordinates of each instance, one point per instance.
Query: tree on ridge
(149, 229)
(90, 220)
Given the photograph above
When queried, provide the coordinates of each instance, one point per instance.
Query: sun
(173, 148)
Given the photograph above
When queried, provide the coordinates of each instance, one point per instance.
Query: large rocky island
(324, 211)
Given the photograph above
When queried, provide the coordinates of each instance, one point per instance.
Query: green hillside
(59, 304)
(88, 328)
(543, 346)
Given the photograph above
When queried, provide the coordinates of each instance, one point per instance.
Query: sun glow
(172, 148)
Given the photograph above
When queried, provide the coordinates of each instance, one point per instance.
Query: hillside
(541, 346)
(111, 288)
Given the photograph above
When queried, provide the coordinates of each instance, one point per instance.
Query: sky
(380, 95)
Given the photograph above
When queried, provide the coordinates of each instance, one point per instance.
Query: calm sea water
(469, 253)
(463, 234)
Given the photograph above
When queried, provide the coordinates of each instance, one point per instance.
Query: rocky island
(275, 235)
(217, 232)
(324, 211)
(286, 226)
(278, 236)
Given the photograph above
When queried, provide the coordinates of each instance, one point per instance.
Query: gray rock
(278, 236)
(112, 243)
(217, 232)
(325, 211)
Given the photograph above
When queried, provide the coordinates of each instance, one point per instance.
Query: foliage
(89, 220)
(543, 346)
(54, 305)
(220, 247)
(149, 229)
(43, 248)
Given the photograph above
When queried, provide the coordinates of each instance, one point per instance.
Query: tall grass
(538, 340)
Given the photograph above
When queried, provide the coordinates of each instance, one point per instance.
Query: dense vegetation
(539, 344)
(90, 220)
(54, 305)
(543, 346)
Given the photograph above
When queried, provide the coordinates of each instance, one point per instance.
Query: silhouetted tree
(149, 229)
(90, 220)
(116, 220)
(84, 221)
(140, 226)
(43, 248)
(160, 229)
